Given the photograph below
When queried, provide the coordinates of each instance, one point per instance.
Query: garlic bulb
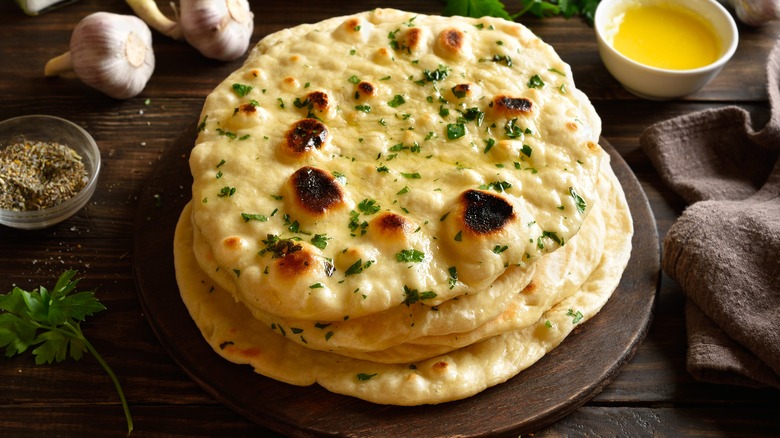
(756, 12)
(109, 52)
(219, 29)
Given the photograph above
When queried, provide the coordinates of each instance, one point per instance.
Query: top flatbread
(387, 158)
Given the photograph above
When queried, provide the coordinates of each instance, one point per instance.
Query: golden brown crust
(451, 42)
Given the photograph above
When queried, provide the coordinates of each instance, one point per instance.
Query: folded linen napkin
(724, 250)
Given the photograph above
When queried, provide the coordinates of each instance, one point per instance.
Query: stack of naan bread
(403, 208)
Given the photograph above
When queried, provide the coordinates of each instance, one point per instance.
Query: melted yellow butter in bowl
(664, 49)
(667, 36)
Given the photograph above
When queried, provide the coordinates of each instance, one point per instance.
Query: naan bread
(356, 164)
(235, 334)
(399, 207)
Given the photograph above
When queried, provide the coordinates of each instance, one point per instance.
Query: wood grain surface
(651, 395)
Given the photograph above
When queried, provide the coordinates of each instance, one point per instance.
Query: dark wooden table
(652, 395)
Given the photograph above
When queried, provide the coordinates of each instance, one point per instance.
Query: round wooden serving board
(556, 385)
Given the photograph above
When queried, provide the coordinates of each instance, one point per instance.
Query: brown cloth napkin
(724, 250)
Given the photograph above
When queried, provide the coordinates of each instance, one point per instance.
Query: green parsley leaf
(412, 296)
(355, 224)
(489, 143)
(576, 316)
(455, 130)
(437, 75)
(474, 114)
(202, 124)
(358, 267)
(279, 247)
(51, 321)
(340, 177)
(535, 82)
(228, 134)
(226, 192)
(498, 249)
(453, 280)
(410, 255)
(538, 8)
(553, 236)
(499, 186)
(499, 59)
(242, 90)
(254, 217)
(476, 8)
(369, 206)
(364, 377)
(320, 241)
(397, 101)
(512, 130)
(578, 201)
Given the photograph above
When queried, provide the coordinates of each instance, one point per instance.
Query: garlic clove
(148, 11)
(109, 52)
(219, 29)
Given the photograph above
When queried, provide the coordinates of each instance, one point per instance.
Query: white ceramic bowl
(51, 129)
(657, 83)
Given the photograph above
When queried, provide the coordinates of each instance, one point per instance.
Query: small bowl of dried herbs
(49, 169)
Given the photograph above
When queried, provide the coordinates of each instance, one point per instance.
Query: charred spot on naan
(364, 90)
(319, 100)
(462, 90)
(391, 230)
(383, 56)
(296, 264)
(484, 213)
(246, 109)
(451, 43)
(312, 192)
(305, 135)
(413, 40)
(351, 30)
(508, 106)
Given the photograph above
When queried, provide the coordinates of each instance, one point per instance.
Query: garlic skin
(109, 52)
(756, 12)
(219, 29)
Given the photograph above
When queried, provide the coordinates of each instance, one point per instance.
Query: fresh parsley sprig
(50, 321)
(538, 8)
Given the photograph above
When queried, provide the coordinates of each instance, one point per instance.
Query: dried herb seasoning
(38, 175)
